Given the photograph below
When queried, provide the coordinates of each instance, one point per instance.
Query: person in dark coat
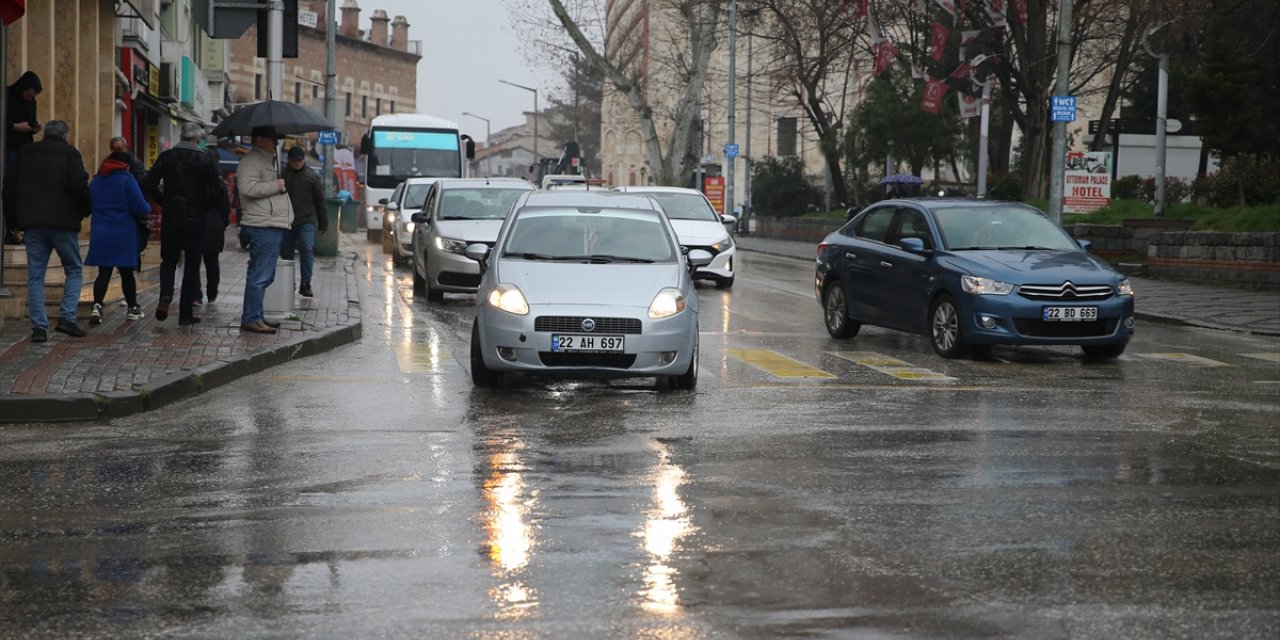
(310, 213)
(216, 221)
(53, 199)
(191, 186)
(22, 126)
(118, 208)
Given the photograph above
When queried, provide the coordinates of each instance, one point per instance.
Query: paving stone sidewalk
(125, 366)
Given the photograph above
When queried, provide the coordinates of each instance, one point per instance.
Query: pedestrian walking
(118, 209)
(52, 200)
(216, 221)
(191, 186)
(139, 171)
(266, 215)
(21, 127)
(310, 214)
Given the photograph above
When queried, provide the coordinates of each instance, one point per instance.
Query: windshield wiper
(600, 257)
(529, 255)
(455, 218)
(968, 248)
(1029, 247)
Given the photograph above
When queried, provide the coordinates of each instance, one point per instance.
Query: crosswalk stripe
(1184, 358)
(777, 364)
(418, 357)
(891, 366)
(1269, 357)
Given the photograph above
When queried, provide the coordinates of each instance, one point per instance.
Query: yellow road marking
(891, 366)
(1183, 357)
(1269, 357)
(417, 357)
(339, 379)
(776, 364)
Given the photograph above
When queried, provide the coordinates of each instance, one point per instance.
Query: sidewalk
(124, 367)
(1186, 303)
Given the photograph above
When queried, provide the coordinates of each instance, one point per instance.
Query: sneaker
(305, 292)
(95, 316)
(69, 328)
(39, 335)
(135, 313)
(186, 322)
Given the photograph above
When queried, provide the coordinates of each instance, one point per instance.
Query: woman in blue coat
(118, 207)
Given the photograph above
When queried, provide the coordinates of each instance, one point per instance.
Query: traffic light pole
(733, 105)
(275, 49)
(330, 91)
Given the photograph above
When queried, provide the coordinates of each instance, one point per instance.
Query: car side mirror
(729, 218)
(699, 258)
(478, 252)
(914, 245)
(382, 201)
(391, 206)
(1084, 244)
(420, 218)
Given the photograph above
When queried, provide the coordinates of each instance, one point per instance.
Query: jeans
(304, 238)
(41, 243)
(264, 250)
(181, 238)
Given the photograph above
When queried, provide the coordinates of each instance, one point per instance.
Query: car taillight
(821, 247)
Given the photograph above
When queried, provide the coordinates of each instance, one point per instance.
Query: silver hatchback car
(586, 284)
(458, 212)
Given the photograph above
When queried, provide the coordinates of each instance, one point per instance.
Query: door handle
(851, 256)
(886, 265)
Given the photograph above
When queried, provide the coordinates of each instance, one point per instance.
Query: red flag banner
(12, 10)
(934, 91)
(862, 9)
(885, 53)
(970, 105)
(995, 10)
(1020, 11)
(963, 71)
(938, 33)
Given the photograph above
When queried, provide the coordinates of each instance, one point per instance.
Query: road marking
(418, 357)
(339, 379)
(1269, 357)
(891, 366)
(776, 364)
(1182, 357)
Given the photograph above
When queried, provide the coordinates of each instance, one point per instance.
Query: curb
(168, 389)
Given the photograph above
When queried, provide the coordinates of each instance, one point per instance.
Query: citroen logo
(588, 325)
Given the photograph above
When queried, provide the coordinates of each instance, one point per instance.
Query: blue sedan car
(971, 274)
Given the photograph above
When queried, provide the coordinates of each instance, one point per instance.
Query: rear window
(477, 204)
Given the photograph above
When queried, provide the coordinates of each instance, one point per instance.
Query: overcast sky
(467, 46)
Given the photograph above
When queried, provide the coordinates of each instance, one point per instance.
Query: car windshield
(979, 227)
(416, 195)
(478, 204)
(589, 235)
(685, 206)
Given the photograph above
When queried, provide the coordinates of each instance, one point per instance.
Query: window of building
(393, 107)
(257, 86)
(377, 106)
(297, 92)
(315, 92)
(787, 129)
(364, 106)
(348, 103)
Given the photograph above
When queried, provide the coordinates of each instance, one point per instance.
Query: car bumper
(721, 267)
(373, 219)
(1018, 321)
(525, 350)
(452, 272)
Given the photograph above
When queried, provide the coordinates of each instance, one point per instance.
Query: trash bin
(350, 214)
(327, 244)
(279, 295)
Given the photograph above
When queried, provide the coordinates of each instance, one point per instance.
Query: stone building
(377, 68)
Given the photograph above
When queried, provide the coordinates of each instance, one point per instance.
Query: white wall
(1182, 156)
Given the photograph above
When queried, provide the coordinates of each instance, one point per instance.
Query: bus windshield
(397, 154)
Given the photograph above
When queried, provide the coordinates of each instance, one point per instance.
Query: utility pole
(733, 105)
(983, 130)
(330, 91)
(275, 49)
(1058, 160)
(1162, 120)
(745, 223)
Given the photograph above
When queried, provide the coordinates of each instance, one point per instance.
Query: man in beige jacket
(266, 214)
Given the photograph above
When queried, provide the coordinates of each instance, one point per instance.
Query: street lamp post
(537, 157)
(488, 155)
(733, 105)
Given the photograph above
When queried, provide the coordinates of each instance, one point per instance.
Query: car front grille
(455, 279)
(610, 360)
(1065, 291)
(573, 324)
(1041, 329)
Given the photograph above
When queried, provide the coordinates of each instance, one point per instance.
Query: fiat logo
(588, 325)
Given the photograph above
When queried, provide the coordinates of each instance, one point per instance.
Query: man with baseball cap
(310, 213)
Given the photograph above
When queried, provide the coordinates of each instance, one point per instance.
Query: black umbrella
(284, 117)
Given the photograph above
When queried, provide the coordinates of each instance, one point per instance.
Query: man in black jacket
(22, 126)
(309, 214)
(191, 187)
(52, 199)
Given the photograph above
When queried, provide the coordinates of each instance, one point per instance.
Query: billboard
(1087, 185)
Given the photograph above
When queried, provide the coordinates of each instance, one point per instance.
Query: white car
(458, 212)
(373, 215)
(698, 226)
(397, 221)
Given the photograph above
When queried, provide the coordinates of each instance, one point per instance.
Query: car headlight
(507, 297)
(370, 208)
(409, 226)
(391, 217)
(723, 245)
(667, 303)
(1124, 288)
(984, 286)
(452, 246)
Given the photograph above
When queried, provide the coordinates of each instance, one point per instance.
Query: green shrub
(779, 188)
(1126, 188)
(1004, 186)
(1259, 180)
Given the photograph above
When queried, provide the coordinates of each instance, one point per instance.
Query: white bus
(408, 145)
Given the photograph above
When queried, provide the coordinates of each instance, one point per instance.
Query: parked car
(458, 212)
(699, 227)
(970, 274)
(586, 283)
(397, 221)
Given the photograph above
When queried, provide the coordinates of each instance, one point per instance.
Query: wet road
(808, 488)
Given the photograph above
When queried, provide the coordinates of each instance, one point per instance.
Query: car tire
(481, 375)
(726, 283)
(1103, 351)
(835, 312)
(419, 282)
(689, 379)
(433, 295)
(945, 333)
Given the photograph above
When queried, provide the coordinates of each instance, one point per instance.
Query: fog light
(1129, 322)
(987, 322)
(667, 357)
(507, 353)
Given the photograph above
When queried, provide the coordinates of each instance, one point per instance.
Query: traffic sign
(731, 150)
(1064, 108)
(329, 136)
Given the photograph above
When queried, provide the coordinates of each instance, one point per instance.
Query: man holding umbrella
(266, 214)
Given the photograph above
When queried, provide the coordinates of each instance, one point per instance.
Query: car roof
(656, 189)
(950, 203)
(585, 198)
(421, 180)
(483, 183)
